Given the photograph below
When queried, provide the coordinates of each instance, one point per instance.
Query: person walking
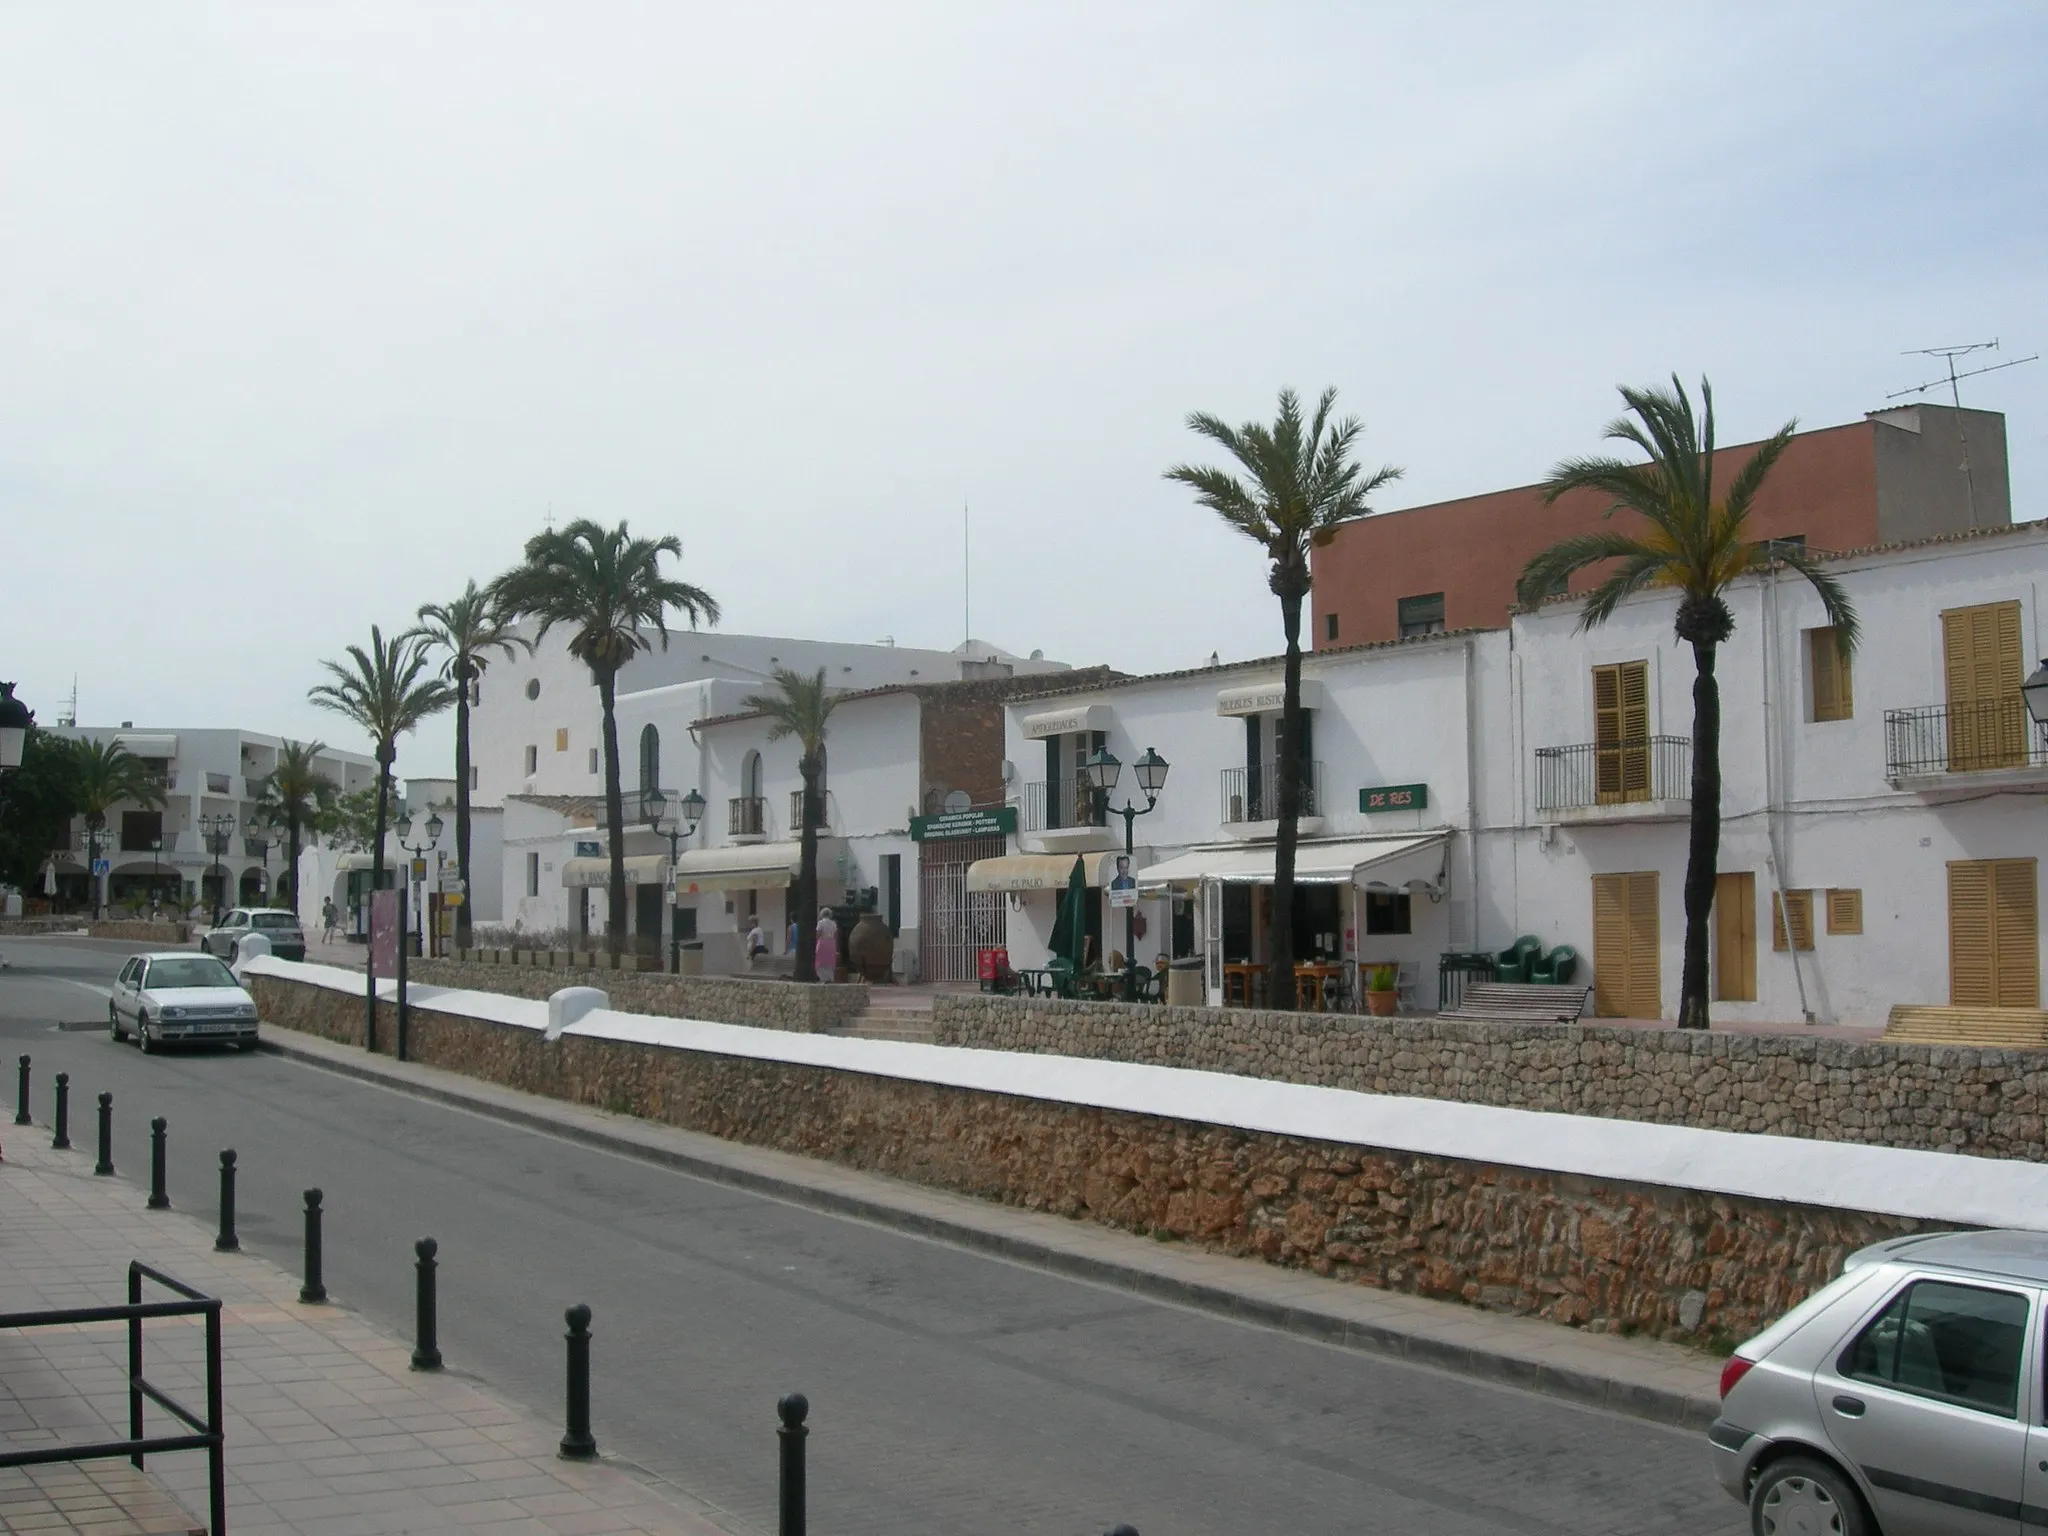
(756, 945)
(330, 918)
(827, 952)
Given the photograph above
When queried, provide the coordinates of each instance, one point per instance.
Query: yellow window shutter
(1610, 945)
(1845, 910)
(1830, 671)
(1635, 700)
(1970, 974)
(2016, 934)
(1645, 999)
(1800, 905)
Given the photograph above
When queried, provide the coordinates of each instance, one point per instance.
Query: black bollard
(105, 1165)
(426, 1355)
(227, 1242)
(21, 1094)
(315, 1289)
(62, 1140)
(578, 1444)
(793, 1409)
(159, 1197)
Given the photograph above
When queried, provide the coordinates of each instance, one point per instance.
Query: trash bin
(1184, 983)
(690, 957)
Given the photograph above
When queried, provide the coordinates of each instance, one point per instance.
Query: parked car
(165, 998)
(287, 938)
(1906, 1398)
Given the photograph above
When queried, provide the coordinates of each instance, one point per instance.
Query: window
(473, 776)
(1845, 911)
(1422, 615)
(476, 694)
(650, 758)
(140, 830)
(1329, 626)
(532, 869)
(593, 759)
(1795, 542)
(562, 738)
(1387, 912)
(533, 760)
(1832, 697)
(1621, 732)
(533, 687)
(1800, 905)
(1957, 1343)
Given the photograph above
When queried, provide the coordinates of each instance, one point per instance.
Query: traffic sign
(452, 899)
(419, 869)
(102, 867)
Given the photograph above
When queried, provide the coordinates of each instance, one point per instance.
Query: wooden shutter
(2016, 938)
(1645, 1000)
(1621, 729)
(1625, 960)
(1982, 668)
(1735, 937)
(1800, 905)
(1606, 734)
(1845, 911)
(1972, 981)
(1833, 697)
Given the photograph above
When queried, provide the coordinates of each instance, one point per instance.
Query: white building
(206, 775)
(1471, 788)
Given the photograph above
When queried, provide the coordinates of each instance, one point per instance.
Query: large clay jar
(871, 947)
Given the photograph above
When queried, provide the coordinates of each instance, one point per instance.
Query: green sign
(997, 821)
(1394, 797)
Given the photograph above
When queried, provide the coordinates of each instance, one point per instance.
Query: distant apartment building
(1894, 477)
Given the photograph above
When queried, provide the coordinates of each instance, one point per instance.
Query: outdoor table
(1248, 973)
(1309, 980)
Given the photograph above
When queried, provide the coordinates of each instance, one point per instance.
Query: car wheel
(1800, 1496)
(142, 1034)
(114, 1024)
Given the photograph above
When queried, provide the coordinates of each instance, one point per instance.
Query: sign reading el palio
(1394, 797)
(990, 821)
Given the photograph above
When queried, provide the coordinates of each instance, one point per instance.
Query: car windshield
(190, 971)
(274, 920)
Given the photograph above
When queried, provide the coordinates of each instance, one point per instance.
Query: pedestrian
(827, 952)
(756, 945)
(330, 917)
(792, 936)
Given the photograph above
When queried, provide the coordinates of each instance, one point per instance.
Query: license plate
(219, 1027)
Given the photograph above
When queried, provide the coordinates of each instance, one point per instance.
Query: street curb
(1660, 1405)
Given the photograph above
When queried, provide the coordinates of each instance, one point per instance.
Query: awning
(748, 866)
(1314, 863)
(161, 744)
(1266, 698)
(350, 862)
(1042, 871)
(641, 869)
(1070, 721)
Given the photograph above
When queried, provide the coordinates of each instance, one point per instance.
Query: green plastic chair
(1512, 963)
(1557, 967)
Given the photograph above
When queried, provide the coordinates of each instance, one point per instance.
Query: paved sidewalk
(1645, 1378)
(329, 1430)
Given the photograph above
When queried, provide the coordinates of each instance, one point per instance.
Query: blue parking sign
(102, 866)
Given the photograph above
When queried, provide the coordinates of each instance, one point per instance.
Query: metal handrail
(207, 1434)
(1979, 737)
(1058, 803)
(747, 816)
(1593, 773)
(1252, 793)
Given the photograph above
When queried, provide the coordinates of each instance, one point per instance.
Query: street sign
(451, 899)
(102, 867)
(451, 882)
(988, 821)
(419, 869)
(1394, 797)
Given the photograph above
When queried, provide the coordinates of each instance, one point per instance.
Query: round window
(533, 687)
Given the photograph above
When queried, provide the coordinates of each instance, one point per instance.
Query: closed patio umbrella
(1070, 928)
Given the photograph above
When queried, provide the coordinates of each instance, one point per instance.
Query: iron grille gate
(952, 924)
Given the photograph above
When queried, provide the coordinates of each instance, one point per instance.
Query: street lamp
(2035, 691)
(15, 719)
(156, 853)
(669, 823)
(1102, 768)
(262, 847)
(419, 853)
(216, 830)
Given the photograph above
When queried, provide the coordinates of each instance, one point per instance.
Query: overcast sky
(310, 313)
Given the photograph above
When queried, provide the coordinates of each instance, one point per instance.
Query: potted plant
(1381, 997)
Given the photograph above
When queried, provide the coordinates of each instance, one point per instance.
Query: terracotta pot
(871, 948)
(1382, 1004)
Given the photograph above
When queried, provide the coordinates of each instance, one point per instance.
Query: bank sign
(993, 821)
(1394, 797)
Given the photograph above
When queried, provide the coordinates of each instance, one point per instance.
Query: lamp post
(216, 830)
(2035, 691)
(156, 853)
(15, 719)
(669, 823)
(403, 828)
(262, 847)
(1102, 769)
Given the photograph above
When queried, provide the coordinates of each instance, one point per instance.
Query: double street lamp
(1102, 768)
(216, 830)
(669, 822)
(403, 827)
(2035, 691)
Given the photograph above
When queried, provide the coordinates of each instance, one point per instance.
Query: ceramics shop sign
(991, 821)
(1394, 797)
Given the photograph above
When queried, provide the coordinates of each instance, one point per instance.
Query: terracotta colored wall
(1472, 550)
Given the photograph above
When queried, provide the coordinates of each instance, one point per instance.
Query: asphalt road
(950, 1392)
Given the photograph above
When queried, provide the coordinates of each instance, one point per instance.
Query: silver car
(277, 924)
(179, 997)
(1905, 1398)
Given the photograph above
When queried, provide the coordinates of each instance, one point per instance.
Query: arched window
(750, 776)
(650, 758)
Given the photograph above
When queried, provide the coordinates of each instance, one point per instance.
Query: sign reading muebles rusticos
(985, 821)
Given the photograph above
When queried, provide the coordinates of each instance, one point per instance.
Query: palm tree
(387, 691)
(295, 796)
(107, 774)
(800, 707)
(469, 630)
(607, 587)
(1302, 484)
(1690, 542)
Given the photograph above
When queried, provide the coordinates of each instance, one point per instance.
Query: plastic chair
(1557, 967)
(1512, 963)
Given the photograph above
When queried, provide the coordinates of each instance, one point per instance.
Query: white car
(180, 997)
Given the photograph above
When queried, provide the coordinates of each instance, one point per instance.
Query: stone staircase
(891, 1014)
(2002, 1028)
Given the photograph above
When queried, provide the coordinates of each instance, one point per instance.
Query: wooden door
(1626, 983)
(1994, 944)
(1735, 937)
(1987, 725)
(1621, 732)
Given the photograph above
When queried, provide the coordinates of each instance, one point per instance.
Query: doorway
(1994, 954)
(1735, 937)
(1627, 983)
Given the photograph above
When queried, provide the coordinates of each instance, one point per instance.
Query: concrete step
(2003, 1028)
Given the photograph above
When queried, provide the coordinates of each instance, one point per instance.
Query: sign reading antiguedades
(1394, 797)
(989, 821)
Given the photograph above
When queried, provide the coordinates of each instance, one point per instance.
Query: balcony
(1928, 747)
(796, 811)
(1066, 814)
(1251, 799)
(746, 818)
(219, 784)
(1648, 778)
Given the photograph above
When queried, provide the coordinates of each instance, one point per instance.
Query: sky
(310, 314)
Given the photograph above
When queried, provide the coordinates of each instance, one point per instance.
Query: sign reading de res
(1394, 797)
(991, 821)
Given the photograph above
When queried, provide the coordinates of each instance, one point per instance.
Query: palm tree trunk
(1287, 790)
(1703, 856)
(614, 817)
(462, 677)
(807, 878)
(291, 836)
(386, 752)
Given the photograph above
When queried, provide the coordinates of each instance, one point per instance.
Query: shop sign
(988, 821)
(589, 850)
(1394, 797)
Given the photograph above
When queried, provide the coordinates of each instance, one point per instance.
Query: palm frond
(1549, 571)
(1635, 573)
(1834, 598)
(800, 707)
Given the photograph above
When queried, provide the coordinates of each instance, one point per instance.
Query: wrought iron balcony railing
(1590, 774)
(1252, 793)
(1962, 738)
(796, 811)
(1050, 805)
(747, 816)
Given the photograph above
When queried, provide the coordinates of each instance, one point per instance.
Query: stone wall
(111, 928)
(798, 1006)
(1988, 1103)
(1607, 1255)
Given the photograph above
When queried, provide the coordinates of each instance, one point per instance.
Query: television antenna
(1949, 355)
